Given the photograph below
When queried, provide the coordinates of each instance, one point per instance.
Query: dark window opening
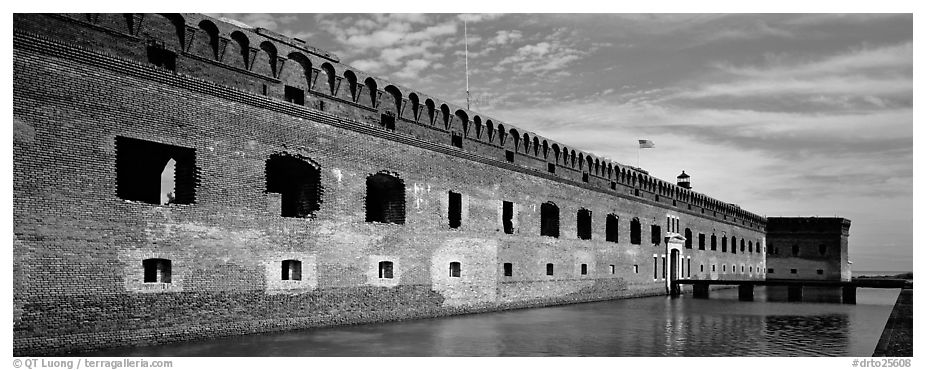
(636, 269)
(655, 268)
(551, 168)
(155, 173)
(584, 224)
(161, 57)
(771, 271)
(657, 197)
(702, 267)
(507, 217)
(388, 122)
(584, 269)
(701, 241)
(688, 238)
(508, 269)
(157, 270)
(664, 267)
(263, 89)
(795, 250)
(713, 242)
(723, 244)
(549, 220)
(635, 231)
(509, 156)
(455, 209)
(294, 95)
(385, 200)
(385, 269)
(822, 249)
(612, 269)
(636, 192)
(793, 271)
(298, 181)
(456, 140)
(613, 185)
(584, 177)
(611, 229)
(291, 270)
(819, 272)
(550, 269)
(454, 269)
(656, 234)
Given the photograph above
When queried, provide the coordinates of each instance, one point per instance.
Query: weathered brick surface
(80, 81)
(809, 234)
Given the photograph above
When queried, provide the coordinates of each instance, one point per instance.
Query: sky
(781, 114)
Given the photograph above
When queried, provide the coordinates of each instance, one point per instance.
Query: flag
(644, 144)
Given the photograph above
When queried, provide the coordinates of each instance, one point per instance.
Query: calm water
(657, 326)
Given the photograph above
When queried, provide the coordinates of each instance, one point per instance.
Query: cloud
(412, 68)
(504, 37)
(474, 18)
(369, 66)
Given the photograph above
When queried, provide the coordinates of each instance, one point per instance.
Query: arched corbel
(223, 42)
(337, 85)
(359, 93)
(379, 99)
(137, 20)
(402, 105)
(190, 33)
(281, 61)
(252, 57)
(315, 72)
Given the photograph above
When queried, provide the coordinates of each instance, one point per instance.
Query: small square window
(793, 271)
(771, 271)
(294, 95)
(291, 270)
(551, 168)
(819, 272)
(157, 270)
(456, 140)
(509, 156)
(388, 122)
(585, 177)
(613, 185)
(385, 269)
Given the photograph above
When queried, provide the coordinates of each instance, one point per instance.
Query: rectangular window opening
(294, 95)
(161, 57)
(611, 269)
(508, 269)
(551, 168)
(155, 173)
(388, 122)
(454, 269)
(507, 217)
(455, 209)
(291, 270)
(157, 270)
(636, 269)
(456, 140)
(509, 156)
(550, 269)
(385, 269)
(585, 177)
(584, 269)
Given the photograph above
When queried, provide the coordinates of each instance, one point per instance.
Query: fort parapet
(305, 193)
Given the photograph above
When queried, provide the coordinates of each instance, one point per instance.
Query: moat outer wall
(78, 247)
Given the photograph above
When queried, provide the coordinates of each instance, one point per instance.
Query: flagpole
(466, 61)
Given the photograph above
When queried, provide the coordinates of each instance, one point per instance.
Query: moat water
(655, 326)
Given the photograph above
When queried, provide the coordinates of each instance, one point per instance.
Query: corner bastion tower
(179, 177)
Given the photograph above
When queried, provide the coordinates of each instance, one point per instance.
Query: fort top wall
(257, 60)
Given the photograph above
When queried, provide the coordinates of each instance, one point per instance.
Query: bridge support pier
(701, 291)
(747, 292)
(795, 293)
(848, 294)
